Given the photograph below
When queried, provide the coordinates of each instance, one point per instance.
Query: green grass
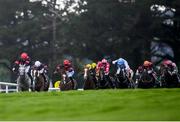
(138, 104)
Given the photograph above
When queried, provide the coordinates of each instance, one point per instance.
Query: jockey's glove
(113, 62)
(13, 69)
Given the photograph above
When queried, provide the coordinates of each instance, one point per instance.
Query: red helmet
(24, 56)
(147, 63)
(66, 62)
(104, 61)
(167, 62)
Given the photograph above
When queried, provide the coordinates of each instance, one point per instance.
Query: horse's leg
(85, 84)
(19, 83)
(41, 80)
(62, 86)
(24, 83)
(29, 84)
(91, 82)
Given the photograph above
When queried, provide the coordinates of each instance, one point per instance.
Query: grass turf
(138, 104)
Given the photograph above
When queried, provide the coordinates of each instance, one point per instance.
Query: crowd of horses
(26, 83)
(93, 80)
(163, 78)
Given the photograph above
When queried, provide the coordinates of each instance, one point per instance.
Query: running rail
(7, 87)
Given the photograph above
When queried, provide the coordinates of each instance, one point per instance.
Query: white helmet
(37, 63)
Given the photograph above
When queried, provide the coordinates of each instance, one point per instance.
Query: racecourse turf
(130, 104)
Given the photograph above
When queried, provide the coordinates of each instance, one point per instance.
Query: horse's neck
(122, 73)
(22, 70)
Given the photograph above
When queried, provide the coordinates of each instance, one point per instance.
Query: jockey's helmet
(104, 60)
(37, 63)
(66, 62)
(167, 62)
(88, 66)
(24, 56)
(93, 65)
(147, 63)
(120, 62)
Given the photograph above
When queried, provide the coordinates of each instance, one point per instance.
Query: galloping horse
(168, 79)
(103, 81)
(66, 83)
(23, 79)
(146, 80)
(89, 82)
(122, 80)
(39, 82)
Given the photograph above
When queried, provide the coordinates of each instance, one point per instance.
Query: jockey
(147, 65)
(68, 69)
(104, 65)
(42, 68)
(93, 73)
(92, 69)
(91, 66)
(171, 65)
(122, 64)
(88, 66)
(23, 60)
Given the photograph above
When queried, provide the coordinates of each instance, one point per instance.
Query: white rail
(7, 90)
(54, 89)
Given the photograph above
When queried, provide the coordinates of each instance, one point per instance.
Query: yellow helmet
(88, 66)
(93, 65)
(57, 84)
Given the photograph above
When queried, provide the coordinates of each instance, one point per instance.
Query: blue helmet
(120, 62)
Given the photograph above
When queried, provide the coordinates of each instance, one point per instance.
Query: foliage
(93, 29)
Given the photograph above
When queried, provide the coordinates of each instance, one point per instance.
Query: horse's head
(146, 76)
(166, 71)
(22, 69)
(35, 73)
(121, 74)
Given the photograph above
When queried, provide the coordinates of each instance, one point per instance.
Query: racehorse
(66, 83)
(146, 80)
(89, 82)
(23, 79)
(168, 79)
(122, 80)
(39, 82)
(103, 81)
